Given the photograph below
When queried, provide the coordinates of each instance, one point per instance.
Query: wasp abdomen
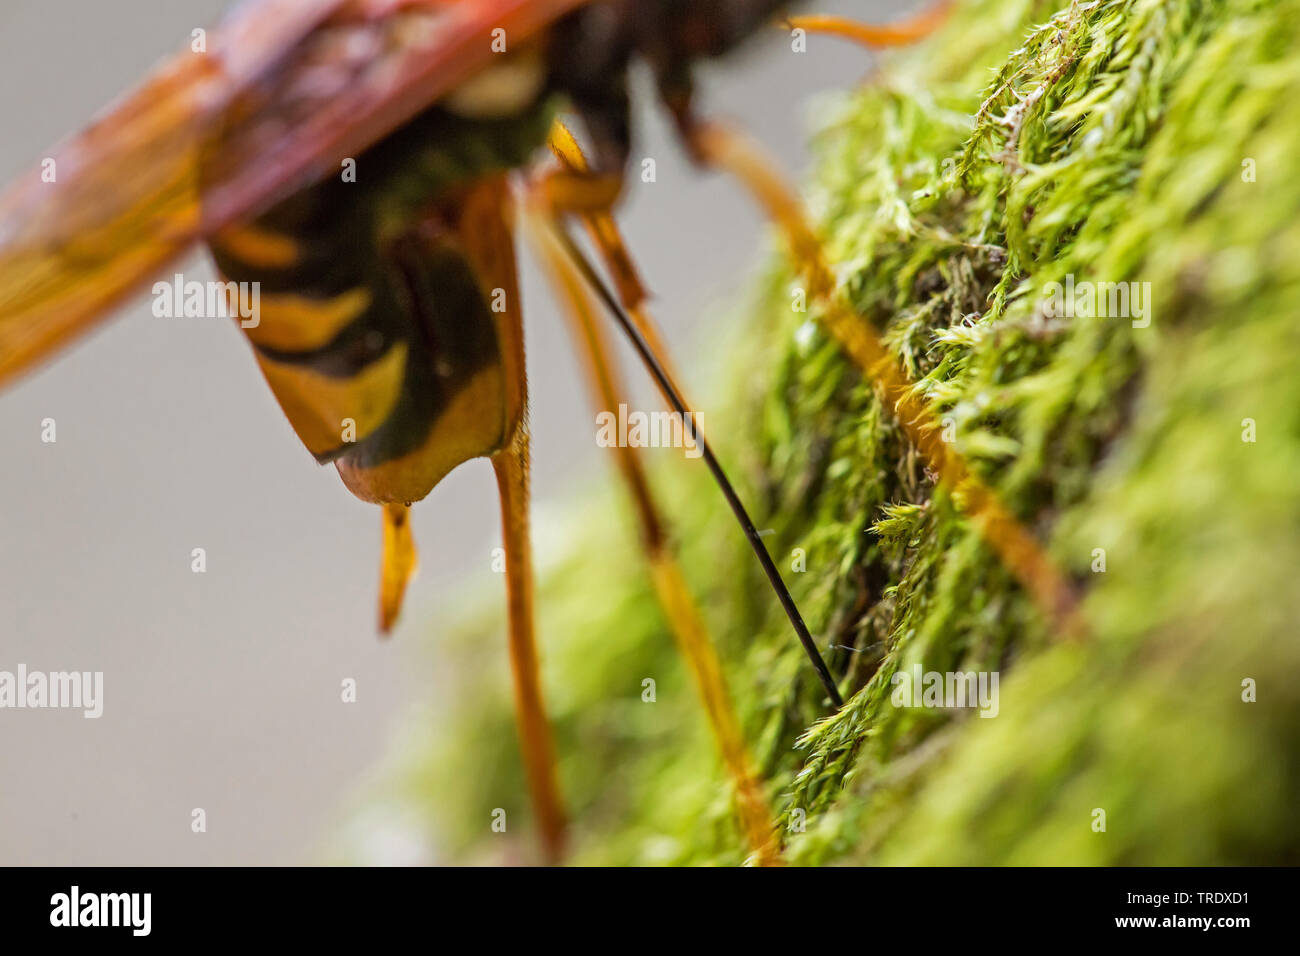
(376, 333)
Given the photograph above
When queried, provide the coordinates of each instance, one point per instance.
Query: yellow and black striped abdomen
(376, 330)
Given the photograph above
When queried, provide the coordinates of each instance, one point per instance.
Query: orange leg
(1018, 549)
(486, 233)
(670, 585)
(536, 743)
(872, 35)
(605, 235)
(567, 190)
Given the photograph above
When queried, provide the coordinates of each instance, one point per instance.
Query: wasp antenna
(665, 383)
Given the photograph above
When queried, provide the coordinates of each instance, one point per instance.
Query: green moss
(1108, 141)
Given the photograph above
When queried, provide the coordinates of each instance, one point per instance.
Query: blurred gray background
(222, 689)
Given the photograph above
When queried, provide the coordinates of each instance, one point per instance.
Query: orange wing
(284, 92)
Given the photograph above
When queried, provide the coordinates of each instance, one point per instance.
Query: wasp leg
(1019, 550)
(608, 240)
(399, 563)
(670, 585)
(872, 35)
(580, 193)
(486, 233)
(536, 743)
